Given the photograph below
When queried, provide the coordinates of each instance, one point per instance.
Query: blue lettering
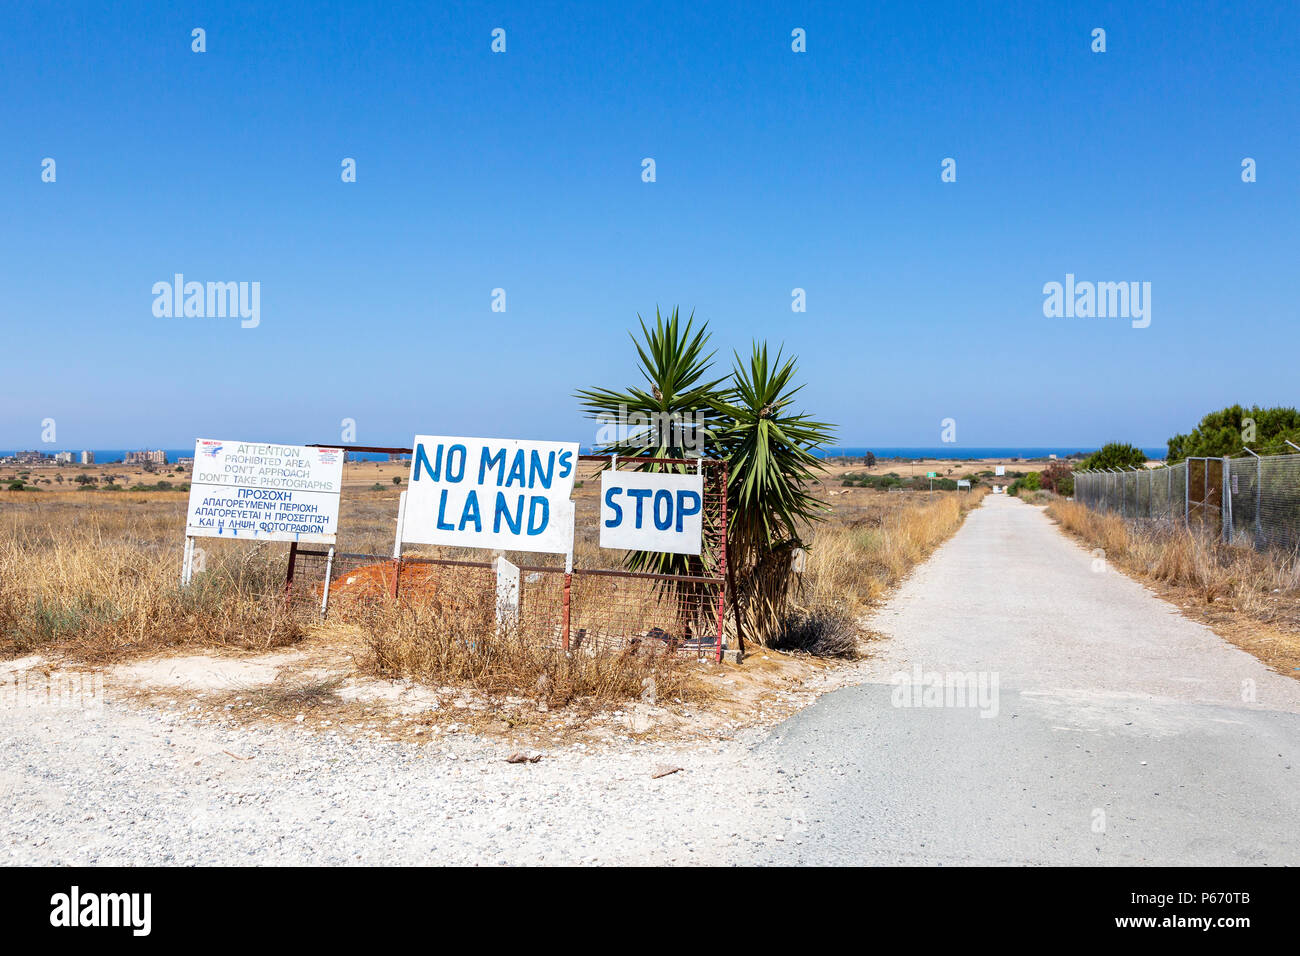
(422, 459)
(682, 498)
(503, 510)
(566, 463)
(443, 524)
(533, 526)
(516, 469)
(454, 474)
(497, 461)
(471, 512)
(535, 470)
(640, 494)
(663, 497)
(615, 521)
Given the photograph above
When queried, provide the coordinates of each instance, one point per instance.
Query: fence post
(325, 592)
(288, 574)
(397, 545)
(1259, 485)
(1259, 502)
(564, 626)
(1187, 492)
(722, 572)
(1225, 498)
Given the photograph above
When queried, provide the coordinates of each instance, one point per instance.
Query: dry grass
(1249, 597)
(869, 547)
(454, 639)
(95, 576)
(79, 590)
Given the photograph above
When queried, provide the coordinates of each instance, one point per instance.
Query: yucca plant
(749, 422)
(674, 416)
(769, 451)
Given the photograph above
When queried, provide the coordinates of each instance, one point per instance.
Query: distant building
(31, 457)
(63, 457)
(145, 458)
(87, 457)
(185, 463)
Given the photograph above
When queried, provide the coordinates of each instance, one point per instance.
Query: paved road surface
(1120, 734)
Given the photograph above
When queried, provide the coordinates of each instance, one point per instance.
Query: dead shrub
(823, 631)
(448, 638)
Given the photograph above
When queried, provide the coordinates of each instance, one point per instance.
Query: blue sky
(522, 171)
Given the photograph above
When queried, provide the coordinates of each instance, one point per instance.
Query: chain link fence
(1252, 501)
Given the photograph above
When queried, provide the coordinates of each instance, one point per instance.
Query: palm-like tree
(750, 423)
(770, 464)
(673, 417)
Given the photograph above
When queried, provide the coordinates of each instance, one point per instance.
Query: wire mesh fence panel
(1177, 480)
(1279, 502)
(619, 610)
(610, 600)
(1244, 487)
(1247, 501)
(1205, 494)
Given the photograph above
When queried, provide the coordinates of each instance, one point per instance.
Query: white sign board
(264, 492)
(999, 470)
(645, 511)
(491, 493)
(963, 482)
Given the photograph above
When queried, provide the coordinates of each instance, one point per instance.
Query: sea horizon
(108, 456)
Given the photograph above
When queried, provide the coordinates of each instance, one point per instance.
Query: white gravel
(125, 786)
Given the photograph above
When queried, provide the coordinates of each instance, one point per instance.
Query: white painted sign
(645, 511)
(491, 493)
(963, 482)
(264, 492)
(999, 470)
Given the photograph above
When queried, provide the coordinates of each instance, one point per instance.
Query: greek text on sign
(647, 511)
(264, 492)
(491, 493)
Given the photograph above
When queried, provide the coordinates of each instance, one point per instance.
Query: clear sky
(523, 171)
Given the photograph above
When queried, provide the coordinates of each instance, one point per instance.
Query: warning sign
(264, 492)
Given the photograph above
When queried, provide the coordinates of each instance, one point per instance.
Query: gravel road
(1116, 733)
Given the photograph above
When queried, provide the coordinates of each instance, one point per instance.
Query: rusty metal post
(564, 626)
(397, 574)
(288, 574)
(722, 570)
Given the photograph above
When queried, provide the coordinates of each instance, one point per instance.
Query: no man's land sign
(264, 492)
(491, 493)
